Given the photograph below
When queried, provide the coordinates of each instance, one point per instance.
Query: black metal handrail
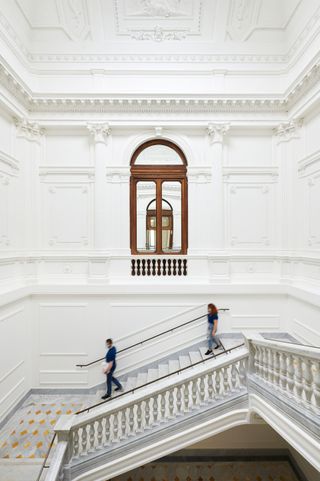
(149, 339)
(44, 464)
(178, 371)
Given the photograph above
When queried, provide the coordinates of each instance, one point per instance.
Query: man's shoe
(119, 388)
(217, 347)
(209, 351)
(106, 396)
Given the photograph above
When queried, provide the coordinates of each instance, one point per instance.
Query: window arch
(158, 199)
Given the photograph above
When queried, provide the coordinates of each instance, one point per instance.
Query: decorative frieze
(217, 131)
(287, 131)
(28, 130)
(99, 131)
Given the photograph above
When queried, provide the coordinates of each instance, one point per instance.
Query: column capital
(287, 131)
(31, 131)
(99, 131)
(217, 131)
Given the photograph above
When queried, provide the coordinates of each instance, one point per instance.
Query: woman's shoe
(209, 351)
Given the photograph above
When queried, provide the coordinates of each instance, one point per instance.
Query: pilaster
(100, 133)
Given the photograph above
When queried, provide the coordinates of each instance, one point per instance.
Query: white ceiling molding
(287, 131)
(172, 20)
(83, 103)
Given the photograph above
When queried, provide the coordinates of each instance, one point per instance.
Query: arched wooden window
(158, 199)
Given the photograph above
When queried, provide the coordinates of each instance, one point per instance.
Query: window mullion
(159, 217)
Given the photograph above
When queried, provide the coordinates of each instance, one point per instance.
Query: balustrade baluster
(115, 428)
(276, 365)
(315, 369)
(283, 371)
(179, 397)
(147, 414)
(76, 443)
(265, 368)
(243, 365)
(210, 386)
(171, 403)
(270, 365)
(194, 392)
(307, 381)
(202, 390)
(234, 378)
(298, 378)
(99, 433)
(155, 409)
(84, 439)
(218, 383)
(107, 433)
(122, 424)
(290, 376)
(256, 360)
(139, 418)
(163, 407)
(131, 431)
(185, 397)
(226, 387)
(91, 437)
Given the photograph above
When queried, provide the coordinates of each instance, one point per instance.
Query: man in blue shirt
(111, 367)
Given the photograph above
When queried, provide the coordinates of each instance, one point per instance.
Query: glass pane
(146, 233)
(171, 216)
(157, 155)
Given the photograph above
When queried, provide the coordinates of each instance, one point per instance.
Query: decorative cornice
(28, 130)
(217, 131)
(200, 174)
(99, 131)
(256, 174)
(117, 174)
(287, 131)
(50, 173)
(158, 34)
(208, 104)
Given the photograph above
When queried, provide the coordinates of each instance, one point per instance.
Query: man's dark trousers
(110, 380)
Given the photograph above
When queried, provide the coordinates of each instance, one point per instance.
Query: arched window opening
(158, 199)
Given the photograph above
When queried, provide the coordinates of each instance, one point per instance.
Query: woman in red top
(212, 328)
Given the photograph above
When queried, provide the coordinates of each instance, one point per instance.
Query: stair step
(173, 365)
(195, 356)
(163, 370)
(130, 383)
(203, 350)
(142, 378)
(152, 375)
(184, 361)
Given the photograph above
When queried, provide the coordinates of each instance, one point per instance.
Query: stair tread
(130, 383)
(195, 356)
(142, 378)
(184, 361)
(174, 365)
(163, 370)
(152, 374)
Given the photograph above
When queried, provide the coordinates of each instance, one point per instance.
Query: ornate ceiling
(106, 30)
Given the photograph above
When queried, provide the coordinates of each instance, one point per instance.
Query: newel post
(63, 432)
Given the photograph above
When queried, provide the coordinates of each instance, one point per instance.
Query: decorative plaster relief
(287, 131)
(8, 164)
(158, 20)
(117, 175)
(243, 17)
(200, 174)
(28, 130)
(99, 132)
(217, 131)
(310, 164)
(74, 17)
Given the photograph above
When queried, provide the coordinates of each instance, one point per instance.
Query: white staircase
(278, 381)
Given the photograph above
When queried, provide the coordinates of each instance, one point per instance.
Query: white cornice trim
(83, 103)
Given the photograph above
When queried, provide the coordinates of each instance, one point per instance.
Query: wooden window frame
(158, 174)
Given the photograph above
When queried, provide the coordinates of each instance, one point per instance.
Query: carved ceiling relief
(74, 17)
(158, 20)
(243, 18)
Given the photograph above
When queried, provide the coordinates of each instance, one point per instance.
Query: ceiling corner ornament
(243, 17)
(75, 18)
(99, 132)
(217, 131)
(28, 130)
(158, 34)
(287, 131)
